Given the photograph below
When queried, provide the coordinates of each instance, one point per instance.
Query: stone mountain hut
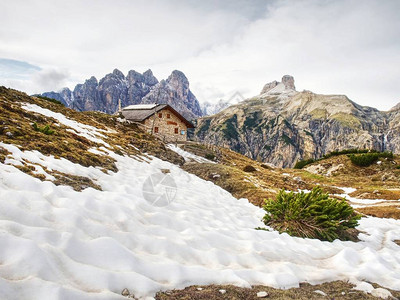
(159, 119)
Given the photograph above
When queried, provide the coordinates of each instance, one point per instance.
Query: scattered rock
(379, 162)
(165, 171)
(298, 179)
(320, 292)
(249, 168)
(222, 292)
(381, 293)
(265, 166)
(334, 169)
(387, 176)
(125, 292)
(262, 294)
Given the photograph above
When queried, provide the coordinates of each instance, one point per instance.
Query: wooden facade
(160, 120)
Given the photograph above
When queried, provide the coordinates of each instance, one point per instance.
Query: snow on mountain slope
(189, 156)
(57, 243)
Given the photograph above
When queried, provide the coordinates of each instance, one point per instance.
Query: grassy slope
(16, 128)
(374, 182)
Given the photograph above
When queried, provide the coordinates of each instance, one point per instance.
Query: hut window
(176, 130)
(155, 129)
(160, 115)
(168, 116)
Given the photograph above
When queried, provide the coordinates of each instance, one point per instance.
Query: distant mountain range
(282, 125)
(211, 108)
(279, 126)
(135, 88)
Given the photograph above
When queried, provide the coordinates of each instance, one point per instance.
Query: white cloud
(348, 47)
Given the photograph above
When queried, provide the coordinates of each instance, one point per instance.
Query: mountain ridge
(134, 88)
(281, 125)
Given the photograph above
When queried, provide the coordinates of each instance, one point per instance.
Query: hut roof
(141, 112)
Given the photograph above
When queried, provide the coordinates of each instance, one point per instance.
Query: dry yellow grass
(334, 290)
(16, 128)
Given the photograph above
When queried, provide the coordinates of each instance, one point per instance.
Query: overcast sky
(329, 46)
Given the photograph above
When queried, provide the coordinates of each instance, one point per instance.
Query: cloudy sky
(329, 46)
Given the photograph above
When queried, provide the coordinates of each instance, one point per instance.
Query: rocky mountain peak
(282, 126)
(134, 77)
(135, 88)
(287, 84)
(149, 78)
(177, 78)
(269, 86)
(288, 81)
(396, 107)
(175, 92)
(118, 73)
(91, 81)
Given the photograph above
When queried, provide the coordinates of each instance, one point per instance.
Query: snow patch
(57, 243)
(189, 156)
(89, 132)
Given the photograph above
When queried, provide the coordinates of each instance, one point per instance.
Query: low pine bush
(367, 159)
(360, 157)
(46, 129)
(310, 215)
(50, 99)
(347, 151)
(209, 156)
(249, 168)
(302, 163)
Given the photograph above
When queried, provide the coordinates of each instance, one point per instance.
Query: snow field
(57, 243)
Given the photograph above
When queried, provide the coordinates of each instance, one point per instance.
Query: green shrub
(370, 154)
(46, 129)
(50, 100)
(386, 154)
(287, 140)
(348, 151)
(364, 160)
(367, 159)
(302, 163)
(249, 168)
(310, 215)
(209, 156)
(229, 129)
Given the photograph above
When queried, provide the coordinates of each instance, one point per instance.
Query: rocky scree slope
(281, 125)
(135, 88)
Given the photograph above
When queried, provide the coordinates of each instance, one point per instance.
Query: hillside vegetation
(33, 131)
(380, 180)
